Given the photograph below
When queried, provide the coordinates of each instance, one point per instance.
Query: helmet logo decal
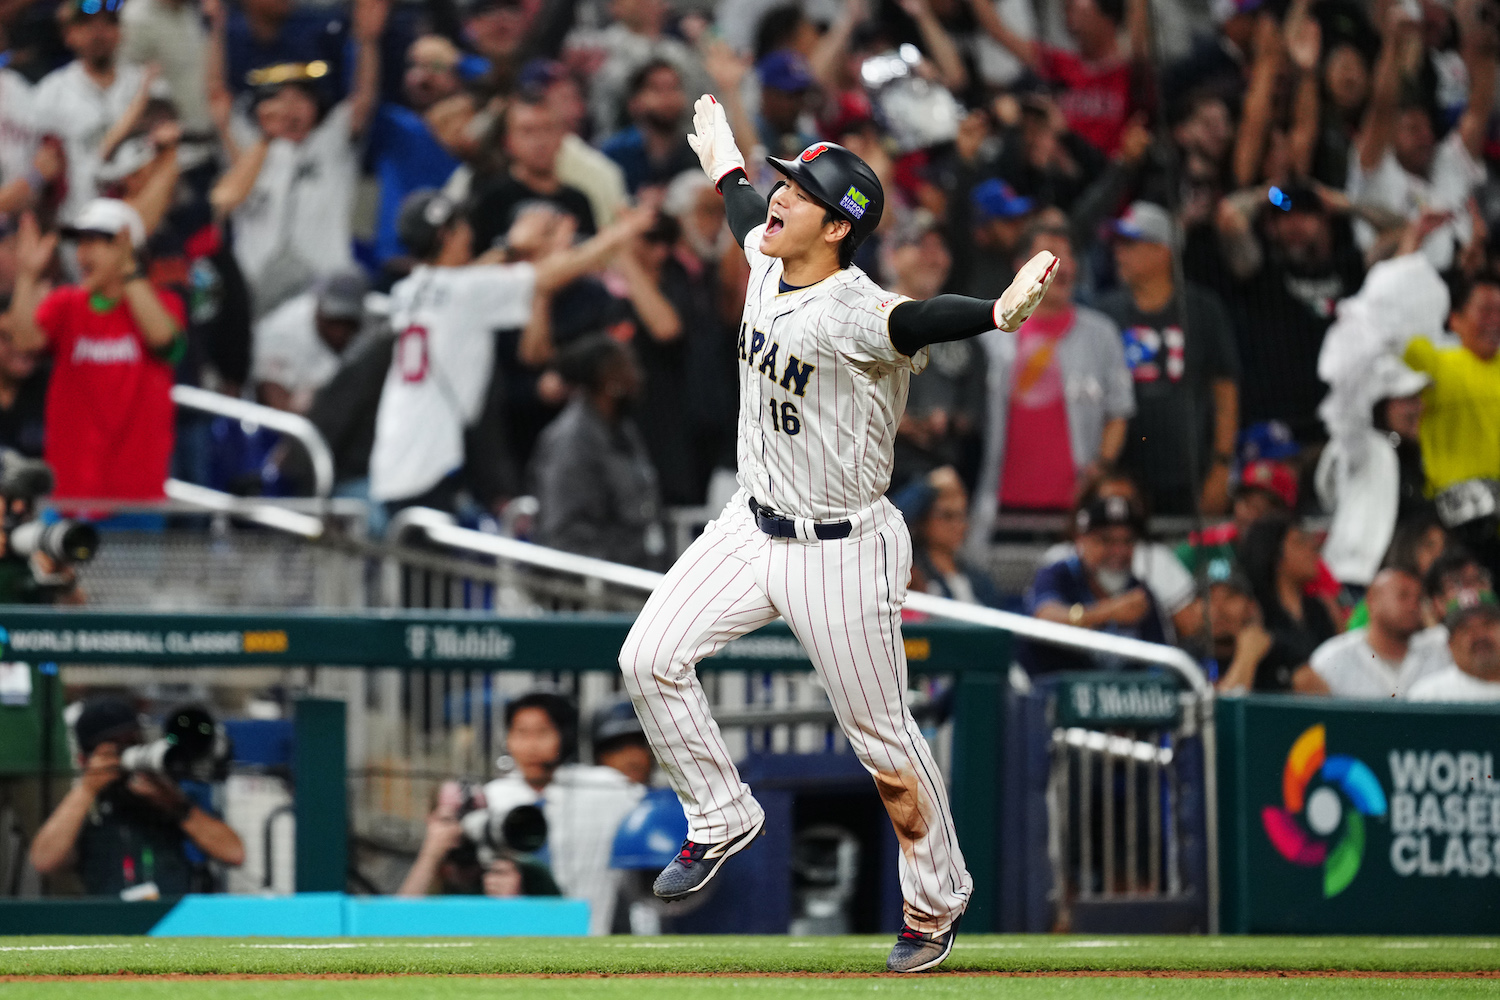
(813, 152)
(855, 202)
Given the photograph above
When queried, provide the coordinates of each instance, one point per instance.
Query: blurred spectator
(1095, 587)
(290, 188)
(449, 863)
(1474, 628)
(444, 315)
(945, 408)
(533, 139)
(1392, 653)
(113, 340)
(1416, 545)
(1100, 84)
(579, 165)
(785, 80)
(403, 153)
(81, 101)
(259, 34)
(637, 36)
(1453, 572)
(653, 148)
(1370, 476)
(23, 395)
(1154, 563)
(935, 508)
(595, 485)
(344, 411)
(300, 344)
(1399, 165)
(999, 219)
(1180, 349)
(1460, 428)
(127, 831)
(1060, 396)
(1239, 639)
(583, 804)
(1280, 560)
(1282, 296)
(619, 741)
(170, 34)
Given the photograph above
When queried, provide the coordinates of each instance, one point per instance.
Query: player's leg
(843, 601)
(708, 598)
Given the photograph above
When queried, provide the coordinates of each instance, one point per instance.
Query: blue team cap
(784, 70)
(995, 199)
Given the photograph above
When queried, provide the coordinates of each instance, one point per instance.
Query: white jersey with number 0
(822, 389)
(444, 319)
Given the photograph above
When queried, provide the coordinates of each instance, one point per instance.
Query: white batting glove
(1025, 293)
(713, 140)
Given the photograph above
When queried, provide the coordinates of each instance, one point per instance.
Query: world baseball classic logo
(1324, 798)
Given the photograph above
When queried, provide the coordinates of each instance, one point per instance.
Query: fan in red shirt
(113, 339)
(1098, 87)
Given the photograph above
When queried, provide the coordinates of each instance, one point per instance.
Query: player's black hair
(849, 243)
(559, 710)
(638, 79)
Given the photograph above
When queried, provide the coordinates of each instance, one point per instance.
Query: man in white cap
(114, 339)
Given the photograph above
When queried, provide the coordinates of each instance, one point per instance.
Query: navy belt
(785, 527)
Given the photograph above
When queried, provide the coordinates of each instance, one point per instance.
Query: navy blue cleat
(696, 863)
(918, 952)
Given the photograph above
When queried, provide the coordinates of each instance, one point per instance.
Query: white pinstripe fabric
(842, 599)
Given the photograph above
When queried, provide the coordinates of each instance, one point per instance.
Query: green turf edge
(727, 955)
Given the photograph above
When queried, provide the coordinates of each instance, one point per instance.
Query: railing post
(978, 719)
(319, 799)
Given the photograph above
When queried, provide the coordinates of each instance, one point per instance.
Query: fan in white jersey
(444, 315)
(825, 357)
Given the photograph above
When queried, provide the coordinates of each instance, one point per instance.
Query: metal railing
(439, 529)
(292, 425)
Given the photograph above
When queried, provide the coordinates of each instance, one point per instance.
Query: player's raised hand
(713, 140)
(1025, 293)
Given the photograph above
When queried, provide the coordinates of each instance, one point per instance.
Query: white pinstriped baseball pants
(842, 600)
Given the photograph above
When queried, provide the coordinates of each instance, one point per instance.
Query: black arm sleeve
(916, 324)
(744, 205)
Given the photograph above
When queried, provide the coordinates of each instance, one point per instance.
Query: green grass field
(652, 969)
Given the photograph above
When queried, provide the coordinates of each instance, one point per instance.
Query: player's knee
(635, 665)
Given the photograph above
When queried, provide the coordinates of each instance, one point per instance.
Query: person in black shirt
(1181, 440)
(1281, 559)
(122, 830)
(1281, 292)
(533, 136)
(23, 396)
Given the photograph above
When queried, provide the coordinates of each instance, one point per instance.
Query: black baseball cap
(422, 216)
(105, 719)
(1104, 512)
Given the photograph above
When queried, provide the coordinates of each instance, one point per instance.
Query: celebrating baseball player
(825, 358)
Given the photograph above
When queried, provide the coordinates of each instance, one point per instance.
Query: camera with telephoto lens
(193, 746)
(22, 481)
(493, 832)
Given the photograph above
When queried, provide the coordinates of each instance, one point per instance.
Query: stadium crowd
(1278, 294)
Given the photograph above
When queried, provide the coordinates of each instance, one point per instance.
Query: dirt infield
(1492, 974)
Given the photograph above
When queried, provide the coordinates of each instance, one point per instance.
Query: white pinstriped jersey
(822, 389)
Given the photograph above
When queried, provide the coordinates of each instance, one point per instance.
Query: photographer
(451, 862)
(36, 559)
(126, 832)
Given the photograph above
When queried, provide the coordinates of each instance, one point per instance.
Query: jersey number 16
(784, 417)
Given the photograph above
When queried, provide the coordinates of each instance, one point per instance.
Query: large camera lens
(65, 542)
(524, 829)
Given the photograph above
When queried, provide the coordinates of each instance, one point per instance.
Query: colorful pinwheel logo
(1300, 829)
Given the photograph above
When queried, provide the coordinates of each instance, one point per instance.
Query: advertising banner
(1358, 817)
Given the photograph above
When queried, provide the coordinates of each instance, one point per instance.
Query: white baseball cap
(107, 217)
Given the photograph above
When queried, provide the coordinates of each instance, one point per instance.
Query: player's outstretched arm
(916, 324)
(713, 140)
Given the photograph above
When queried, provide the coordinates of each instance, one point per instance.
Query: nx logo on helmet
(813, 152)
(855, 203)
(1340, 778)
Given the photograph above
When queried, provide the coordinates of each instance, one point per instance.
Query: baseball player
(444, 315)
(825, 356)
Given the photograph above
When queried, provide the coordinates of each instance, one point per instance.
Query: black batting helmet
(421, 218)
(841, 181)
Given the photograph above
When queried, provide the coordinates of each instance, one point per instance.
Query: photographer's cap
(105, 719)
(107, 217)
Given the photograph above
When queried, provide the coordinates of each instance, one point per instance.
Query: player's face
(795, 226)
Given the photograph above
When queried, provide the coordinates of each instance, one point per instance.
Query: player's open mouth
(774, 225)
